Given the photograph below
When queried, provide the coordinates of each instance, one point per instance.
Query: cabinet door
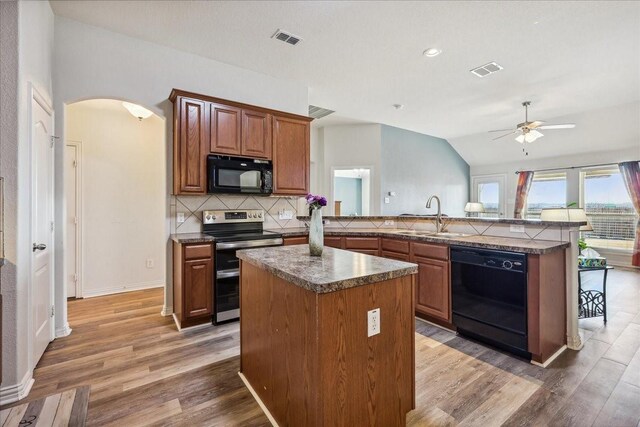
(190, 173)
(198, 288)
(394, 255)
(225, 129)
(256, 134)
(432, 287)
(334, 242)
(290, 156)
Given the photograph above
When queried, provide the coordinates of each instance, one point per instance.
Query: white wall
(123, 196)
(91, 62)
(352, 146)
(30, 24)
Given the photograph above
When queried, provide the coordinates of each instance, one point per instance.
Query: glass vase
(316, 234)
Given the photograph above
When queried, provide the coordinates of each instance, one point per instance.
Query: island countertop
(335, 270)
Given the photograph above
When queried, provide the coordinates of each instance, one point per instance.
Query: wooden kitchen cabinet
(334, 242)
(226, 129)
(204, 125)
(256, 134)
(291, 147)
(192, 283)
(190, 146)
(433, 284)
(298, 240)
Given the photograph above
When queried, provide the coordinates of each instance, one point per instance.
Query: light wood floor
(142, 371)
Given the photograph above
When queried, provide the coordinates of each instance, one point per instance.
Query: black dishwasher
(489, 297)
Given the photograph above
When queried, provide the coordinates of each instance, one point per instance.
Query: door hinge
(75, 220)
(75, 277)
(75, 164)
(53, 311)
(51, 225)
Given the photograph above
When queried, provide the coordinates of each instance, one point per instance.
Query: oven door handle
(224, 274)
(249, 244)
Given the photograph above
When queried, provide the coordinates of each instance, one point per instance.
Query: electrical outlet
(180, 217)
(389, 222)
(149, 263)
(373, 323)
(516, 228)
(387, 200)
(285, 214)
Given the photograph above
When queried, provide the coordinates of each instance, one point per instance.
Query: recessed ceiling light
(398, 106)
(431, 52)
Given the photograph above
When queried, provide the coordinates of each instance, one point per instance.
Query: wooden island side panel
(309, 359)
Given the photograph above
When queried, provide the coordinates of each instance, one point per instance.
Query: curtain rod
(575, 167)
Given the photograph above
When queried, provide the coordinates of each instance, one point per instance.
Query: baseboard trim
(553, 357)
(15, 392)
(64, 331)
(167, 310)
(257, 398)
(128, 288)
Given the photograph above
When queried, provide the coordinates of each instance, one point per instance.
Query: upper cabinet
(190, 146)
(291, 160)
(205, 125)
(226, 129)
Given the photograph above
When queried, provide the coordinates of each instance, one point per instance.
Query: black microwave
(237, 175)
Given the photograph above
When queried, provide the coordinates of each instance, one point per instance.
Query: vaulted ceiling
(359, 58)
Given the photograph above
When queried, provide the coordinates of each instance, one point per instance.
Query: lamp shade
(566, 215)
(474, 207)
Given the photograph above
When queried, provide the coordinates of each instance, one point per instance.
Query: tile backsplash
(192, 207)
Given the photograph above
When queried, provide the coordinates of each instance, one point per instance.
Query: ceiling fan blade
(502, 130)
(535, 124)
(506, 134)
(563, 126)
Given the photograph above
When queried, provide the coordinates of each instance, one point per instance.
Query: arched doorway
(115, 198)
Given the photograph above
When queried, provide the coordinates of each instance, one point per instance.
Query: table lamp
(566, 215)
(473, 208)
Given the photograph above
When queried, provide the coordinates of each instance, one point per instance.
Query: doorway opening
(351, 191)
(115, 191)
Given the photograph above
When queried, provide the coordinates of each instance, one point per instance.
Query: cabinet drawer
(300, 240)
(400, 246)
(362, 243)
(429, 250)
(333, 241)
(373, 252)
(395, 255)
(198, 251)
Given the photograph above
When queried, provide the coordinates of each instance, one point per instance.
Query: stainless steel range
(233, 230)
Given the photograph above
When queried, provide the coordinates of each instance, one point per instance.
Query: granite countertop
(515, 221)
(528, 246)
(183, 238)
(335, 270)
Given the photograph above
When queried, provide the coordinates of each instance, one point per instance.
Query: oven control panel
(233, 216)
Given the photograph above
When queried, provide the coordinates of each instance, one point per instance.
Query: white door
(42, 225)
(489, 190)
(71, 195)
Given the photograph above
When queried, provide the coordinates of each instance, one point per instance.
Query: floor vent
(318, 112)
(286, 37)
(486, 69)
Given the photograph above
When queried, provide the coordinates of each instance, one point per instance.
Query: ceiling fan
(529, 131)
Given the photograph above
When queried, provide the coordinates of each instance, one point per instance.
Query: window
(489, 190)
(608, 208)
(548, 190)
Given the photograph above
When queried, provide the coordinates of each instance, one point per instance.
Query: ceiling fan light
(137, 110)
(520, 138)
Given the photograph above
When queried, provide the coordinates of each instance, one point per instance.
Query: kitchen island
(308, 351)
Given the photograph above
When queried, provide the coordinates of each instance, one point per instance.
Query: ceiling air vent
(286, 37)
(486, 69)
(318, 112)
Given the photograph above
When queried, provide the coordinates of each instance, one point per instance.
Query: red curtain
(630, 172)
(525, 178)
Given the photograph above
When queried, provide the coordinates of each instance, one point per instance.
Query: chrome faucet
(438, 215)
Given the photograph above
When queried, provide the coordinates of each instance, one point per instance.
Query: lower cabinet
(192, 283)
(298, 240)
(433, 288)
